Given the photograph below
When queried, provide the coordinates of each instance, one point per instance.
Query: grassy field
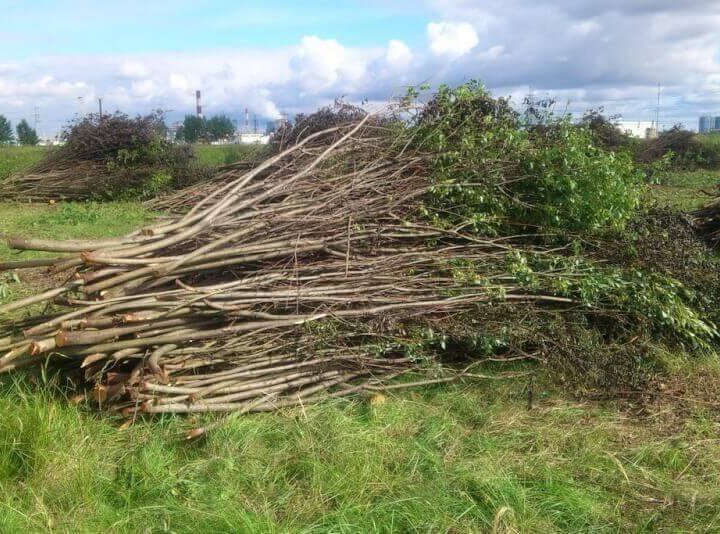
(17, 158)
(214, 155)
(469, 457)
(685, 190)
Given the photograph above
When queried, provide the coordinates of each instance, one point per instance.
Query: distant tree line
(194, 129)
(199, 129)
(26, 135)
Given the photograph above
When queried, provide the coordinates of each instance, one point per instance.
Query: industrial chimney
(198, 105)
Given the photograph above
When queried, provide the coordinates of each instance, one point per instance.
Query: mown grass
(462, 458)
(59, 221)
(216, 155)
(685, 190)
(67, 221)
(458, 458)
(17, 158)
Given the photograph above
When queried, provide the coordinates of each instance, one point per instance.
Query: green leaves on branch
(572, 184)
(493, 172)
(654, 302)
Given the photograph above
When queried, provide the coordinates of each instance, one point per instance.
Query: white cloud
(452, 39)
(320, 64)
(398, 55)
(495, 52)
(586, 27)
(591, 53)
(145, 89)
(317, 62)
(45, 86)
(9, 68)
(134, 70)
(178, 82)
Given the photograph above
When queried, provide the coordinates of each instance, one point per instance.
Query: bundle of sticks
(288, 283)
(183, 199)
(706, 222)
(72, 181)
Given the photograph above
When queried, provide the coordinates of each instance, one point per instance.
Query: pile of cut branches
(214, 310)
(706, 222)
(183, 199)
(105, 157)
(326, 119)
(303, 278)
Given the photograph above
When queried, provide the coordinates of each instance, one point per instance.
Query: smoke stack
(247, 120)
(198, 105)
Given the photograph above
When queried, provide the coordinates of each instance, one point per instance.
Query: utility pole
(36, 112)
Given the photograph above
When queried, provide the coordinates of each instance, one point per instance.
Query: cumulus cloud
(596, 52)
(320, 64)
(398, 55)
(178, 82)
(586, 52)
(134, 70)
(45, 86)
(144, 89)
(452, 39)
(585, 27)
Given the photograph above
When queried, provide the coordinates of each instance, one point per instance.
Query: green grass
(710, 140)
(684, 190)
(68, 220)
(462, 458)
(59, 221)
(215, 155)
(17, 158)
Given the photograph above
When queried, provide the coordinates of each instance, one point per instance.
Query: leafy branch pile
(106, 157)
(348, 260)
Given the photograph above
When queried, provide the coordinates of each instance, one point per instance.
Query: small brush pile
(706, 222)
(105, 157)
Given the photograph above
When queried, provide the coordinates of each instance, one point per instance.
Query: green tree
(6, 131)
(25, 134)
(220, 127)
(180, 133)
(194, 128)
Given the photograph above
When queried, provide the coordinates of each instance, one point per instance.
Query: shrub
(605, 131)
(114, 137)
(574, 184)
(117, 157)
(490, 170)
(304, 125)
(687, 149)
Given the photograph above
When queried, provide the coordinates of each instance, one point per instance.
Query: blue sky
(283, 56)
(136, 26)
